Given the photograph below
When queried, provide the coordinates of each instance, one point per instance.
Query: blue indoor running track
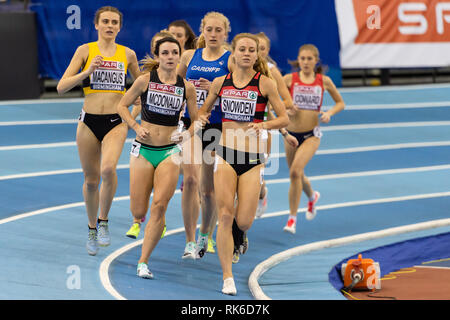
(383, 171)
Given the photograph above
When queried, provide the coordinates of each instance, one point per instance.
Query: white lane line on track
(375, 148)
(397, 88)
(366, 173)
(390, 88)
(49, 173)
(279, 155)
(45, 145)
(274, 132)
(37, 122)
(38, 146)
(385, 125)
(41, 101)
(366, 202)
(104, 267)
(432, 267)
(52, 209)
(414, 105)
(122, 198)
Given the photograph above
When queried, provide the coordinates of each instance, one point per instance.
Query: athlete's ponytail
(262, 66)
(148, 64)
(200, 43)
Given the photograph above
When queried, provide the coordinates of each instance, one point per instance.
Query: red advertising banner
(394, 33)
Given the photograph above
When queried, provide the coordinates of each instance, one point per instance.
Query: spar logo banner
(394, 33)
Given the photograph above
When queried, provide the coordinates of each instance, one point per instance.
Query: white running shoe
(311, 211)
(143, 271)
(103, 236)
(229, 287)
(290, 226)
(202, 246)
(92, 245)
(190, 251)
(262, 205)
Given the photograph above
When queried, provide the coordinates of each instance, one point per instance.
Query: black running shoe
(238, 235)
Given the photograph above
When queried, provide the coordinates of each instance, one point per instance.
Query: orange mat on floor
(416, 283)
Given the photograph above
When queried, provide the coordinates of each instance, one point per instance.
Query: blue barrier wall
(290, 24)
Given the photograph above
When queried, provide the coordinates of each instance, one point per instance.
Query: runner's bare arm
(269, 89)
(325, 116)
(129, 98)
(191, 100)
(133, 67)
(72, 77)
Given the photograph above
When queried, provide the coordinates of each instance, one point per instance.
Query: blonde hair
(149, 63)
(161, 34)
(319, 68)
(201, 43)
(260, 64)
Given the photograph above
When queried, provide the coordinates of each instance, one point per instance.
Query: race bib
(317, 132)
(135, 148)
(202, 94)
(307, 97)
(109, 76)
(164, 99)
(239, 105)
